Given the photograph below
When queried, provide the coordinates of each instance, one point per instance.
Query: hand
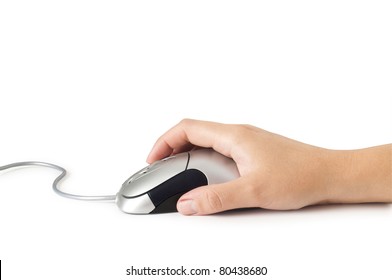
(277, 172)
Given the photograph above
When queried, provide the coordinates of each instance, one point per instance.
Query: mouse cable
(109, 198)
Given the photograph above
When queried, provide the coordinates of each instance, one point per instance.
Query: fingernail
(187, 207)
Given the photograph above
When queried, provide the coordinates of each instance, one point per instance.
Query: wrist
(359, 176)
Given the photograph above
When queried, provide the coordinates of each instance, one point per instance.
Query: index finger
(189, 133)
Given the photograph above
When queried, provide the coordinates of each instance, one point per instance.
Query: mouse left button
(154, 174)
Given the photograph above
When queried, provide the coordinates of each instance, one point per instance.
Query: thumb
(216, 198)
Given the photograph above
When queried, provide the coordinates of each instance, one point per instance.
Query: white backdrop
(90, 85)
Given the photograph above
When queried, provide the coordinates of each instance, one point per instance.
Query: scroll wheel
(144, 171)
(151, 167)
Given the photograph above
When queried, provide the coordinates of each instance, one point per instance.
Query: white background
(90, 85)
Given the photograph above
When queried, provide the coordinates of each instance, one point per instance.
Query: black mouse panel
(167, 206)
(166, 195)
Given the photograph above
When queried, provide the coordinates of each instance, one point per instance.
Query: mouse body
(157, 187)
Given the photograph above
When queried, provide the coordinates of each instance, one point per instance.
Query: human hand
(277, 172)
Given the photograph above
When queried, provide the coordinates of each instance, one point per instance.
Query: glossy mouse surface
(157, 187)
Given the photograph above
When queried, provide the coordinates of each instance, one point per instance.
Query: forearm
(360, 176)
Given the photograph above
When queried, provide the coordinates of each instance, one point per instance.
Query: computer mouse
(157, 187)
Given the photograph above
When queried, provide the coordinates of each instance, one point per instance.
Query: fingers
(189, 133)
(223, 138)
(217, 198)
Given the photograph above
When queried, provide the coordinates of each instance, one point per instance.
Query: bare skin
(277, 172)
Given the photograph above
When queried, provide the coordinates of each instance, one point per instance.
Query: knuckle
(213, 201)
(185, 122)
(239, 132)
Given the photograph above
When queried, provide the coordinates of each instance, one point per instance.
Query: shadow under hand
(309, 210)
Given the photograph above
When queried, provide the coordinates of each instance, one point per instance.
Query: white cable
(110, 198)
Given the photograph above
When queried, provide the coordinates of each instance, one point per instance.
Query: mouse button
(169, 163)
(182, 158)
(137, 174)
(137, 205)
(154, 177)
(217, 167)
(181, 183)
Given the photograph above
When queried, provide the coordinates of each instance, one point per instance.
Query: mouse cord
(109, 198)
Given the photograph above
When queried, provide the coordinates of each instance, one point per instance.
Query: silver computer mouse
(157, 187)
